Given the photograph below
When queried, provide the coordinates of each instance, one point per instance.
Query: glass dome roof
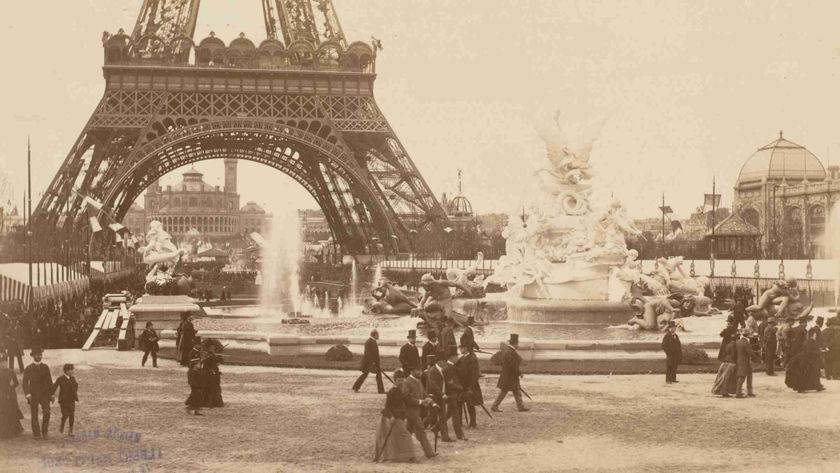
(782, 159)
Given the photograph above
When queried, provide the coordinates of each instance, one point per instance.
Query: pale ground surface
(305, 420)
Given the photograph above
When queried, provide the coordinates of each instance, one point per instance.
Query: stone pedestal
(163, 311)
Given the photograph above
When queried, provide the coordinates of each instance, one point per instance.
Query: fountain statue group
(563, 247)
(162, 256)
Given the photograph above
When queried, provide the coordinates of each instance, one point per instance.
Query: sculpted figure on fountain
(161, 255)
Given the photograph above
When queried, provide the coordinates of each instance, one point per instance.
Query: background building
(213, 212)
(785, 192)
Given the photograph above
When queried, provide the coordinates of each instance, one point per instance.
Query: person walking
(468, 337)
(370, 364)
(393, 440)
(726, 378)
(68, 396)
(185, 339)
(743, 364)
(673, 352)
(149, 344)
(470, 373)
(453, 396)
(831, 339)
(37, 386)
(509, 377)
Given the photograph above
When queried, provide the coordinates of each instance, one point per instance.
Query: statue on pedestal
(162, 256)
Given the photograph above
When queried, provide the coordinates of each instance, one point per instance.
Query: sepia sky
(686, 90)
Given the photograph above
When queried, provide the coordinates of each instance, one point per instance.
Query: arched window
(792, 246)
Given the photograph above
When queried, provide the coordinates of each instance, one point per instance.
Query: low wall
(285, 345)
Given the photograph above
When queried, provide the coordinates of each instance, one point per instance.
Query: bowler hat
(514, 339)
(412, 333)
(36, 351)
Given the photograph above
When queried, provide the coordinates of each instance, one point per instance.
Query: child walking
(68, 390)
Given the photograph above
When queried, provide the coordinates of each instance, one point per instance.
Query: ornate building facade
(785, 192)
(212, 211)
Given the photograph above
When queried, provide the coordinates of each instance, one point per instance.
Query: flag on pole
(91, 202)
(710, 202)
(116, 227)
(667, 211)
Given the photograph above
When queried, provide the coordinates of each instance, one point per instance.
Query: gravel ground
(305, 420)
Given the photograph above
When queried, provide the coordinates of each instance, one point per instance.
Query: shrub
(339, 353)
(691, 355)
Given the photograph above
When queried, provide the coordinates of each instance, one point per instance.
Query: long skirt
(803, 373)
(213, 392)
(396, 446)
(196, 397)
(725, 381)
(10, 416)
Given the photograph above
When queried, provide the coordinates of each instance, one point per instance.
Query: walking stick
(386, 375)
(384, 442)
(526, 394)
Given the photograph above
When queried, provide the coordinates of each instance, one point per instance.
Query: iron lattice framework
(301, 102)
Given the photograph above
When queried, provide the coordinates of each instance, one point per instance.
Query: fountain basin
(568, 311)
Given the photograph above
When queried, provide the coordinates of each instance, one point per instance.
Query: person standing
(798, 334)
(210, 360)
(185, 340)
(728, 334)
(468, 337)
(803, 373)
(196, 381)
(673, 352)
(470, 373)
(832, 345)
(409, 354)
(509, 377)
(435, 382)
(726, 378)
(37, 386)
(370, 363)
(10, 414)
(415, 397)
(14, 339)
(743, 364)
(68, 396)
(768, 349)
(453, 397)
(448, 345)
(393, 440)
(149, 344)
(430, 349)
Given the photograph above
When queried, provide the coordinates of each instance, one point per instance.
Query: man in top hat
(743, 364)
(468, 337)
(470, 373)
(370, 363)
(409, 354)
(509, 377)
(768, 349)
(435, 383)
(37, 386)
(430, 349)
(673, 352)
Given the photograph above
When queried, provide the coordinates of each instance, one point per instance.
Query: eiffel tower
(301, 101)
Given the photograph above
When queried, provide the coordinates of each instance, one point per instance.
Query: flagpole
(714, 210)
(663, 224)
(28, 217)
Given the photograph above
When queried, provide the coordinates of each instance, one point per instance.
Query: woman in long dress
(10, 414)
(725, 382)
(393, 441)
(803, 372)
(832, 343)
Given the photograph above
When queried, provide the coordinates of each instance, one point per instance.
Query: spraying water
(353, 283)
(377, 276)
(280, 270)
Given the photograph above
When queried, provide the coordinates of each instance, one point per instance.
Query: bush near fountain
(339, 353)
(692, 355)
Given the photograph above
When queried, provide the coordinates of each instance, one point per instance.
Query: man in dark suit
(453, 394)
(370, 363)
(509, 377)
(743, 365)
(673, 352)
(468, 337)
(470, 373)
(14, 339)
(768, 349)
(448, 345)
(435, 382)
(415, 397)
(409, 354)
(37, 386)
(798, 334)
(430, 348)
